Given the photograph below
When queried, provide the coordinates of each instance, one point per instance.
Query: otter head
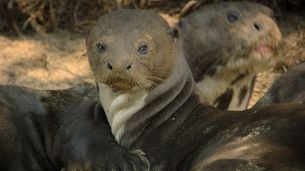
(130, 50)
(137, 67)
(240, 35)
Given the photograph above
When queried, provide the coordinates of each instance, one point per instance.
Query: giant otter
(151, 103)
(156, 109)
(226, 45)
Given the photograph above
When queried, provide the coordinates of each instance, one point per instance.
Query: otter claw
(140, 154)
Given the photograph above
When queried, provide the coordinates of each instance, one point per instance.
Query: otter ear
(175, 31)
(87, 31)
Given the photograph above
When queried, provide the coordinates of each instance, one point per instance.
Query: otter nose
(265, 25)
(129, 66)
(110, 66)
(257, 26)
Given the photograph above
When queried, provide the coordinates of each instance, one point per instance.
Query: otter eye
(143, 49)
(233, 17)
(100, 47)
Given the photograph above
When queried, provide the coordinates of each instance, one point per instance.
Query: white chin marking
(120, 107)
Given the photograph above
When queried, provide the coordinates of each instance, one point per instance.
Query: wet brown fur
(184, 134)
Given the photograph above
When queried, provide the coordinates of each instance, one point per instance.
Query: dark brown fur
(178, 132)
(222, 102)
(49, 130)
(290, 87)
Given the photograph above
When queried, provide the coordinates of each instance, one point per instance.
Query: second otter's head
(128, 51)
(242, 36)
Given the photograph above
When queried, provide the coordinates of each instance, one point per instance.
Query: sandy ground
(58, 60)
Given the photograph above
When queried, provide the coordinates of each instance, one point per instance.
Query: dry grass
(47, 15)
(293, 28)
(49, 61)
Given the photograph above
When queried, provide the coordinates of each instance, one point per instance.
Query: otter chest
(228, 92)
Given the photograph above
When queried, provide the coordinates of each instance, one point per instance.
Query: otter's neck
(133, 114)
(120, 107)
(163, 101)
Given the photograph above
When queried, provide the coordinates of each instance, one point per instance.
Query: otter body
(198, 137)
(51, 130)
(165, 117)
(226, 45)
(150, 100)
(287, 88)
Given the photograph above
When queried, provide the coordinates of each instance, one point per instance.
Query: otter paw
(118, 160)
(121, 160)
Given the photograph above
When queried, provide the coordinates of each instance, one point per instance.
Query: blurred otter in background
(226, 45)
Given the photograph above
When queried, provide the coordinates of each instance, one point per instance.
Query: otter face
(128, 51)
(256, 37)
(235, 34)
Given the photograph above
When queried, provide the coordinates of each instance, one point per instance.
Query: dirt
(50, 61)
(58, 60)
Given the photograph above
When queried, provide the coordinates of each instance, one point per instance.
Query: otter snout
(119, 67)
(264, 25)
(257, 26)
